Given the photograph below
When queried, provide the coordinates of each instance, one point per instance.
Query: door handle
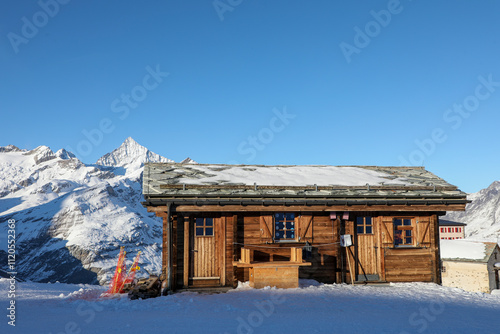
(194, 250)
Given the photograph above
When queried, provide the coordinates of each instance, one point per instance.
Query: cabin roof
(462, 250)
(444, 222)
(174, 180)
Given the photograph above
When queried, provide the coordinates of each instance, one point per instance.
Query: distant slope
(71, 218)
(482, 215)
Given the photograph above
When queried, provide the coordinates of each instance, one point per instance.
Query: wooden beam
(186, 253)
(222, 254)
(434, 225)
(173, 248)
(164, 249)
(312, 208)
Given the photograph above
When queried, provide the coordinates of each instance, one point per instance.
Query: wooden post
(434, 226)
(245, 255)
(349, 262)
(164, 248)
(342, 251)
(169, 247)
(186, 253)
(175, 221)
(222, 251)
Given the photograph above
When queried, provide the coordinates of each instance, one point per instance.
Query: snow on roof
(444, 222)
(289, 176)
(164, 179)
(466, 250)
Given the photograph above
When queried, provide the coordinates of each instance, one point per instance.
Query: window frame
(294, 228)
(412, 227)
(363, 227)
(204, 227)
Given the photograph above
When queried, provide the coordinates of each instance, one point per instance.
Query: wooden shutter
(266, 229)
(423, 232)
(387, 232)
(305, 228)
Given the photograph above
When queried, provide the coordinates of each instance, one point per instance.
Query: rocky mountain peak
(41, 154)
(482, 215)
(188, 160)
(130, 153)
(63, 154)
(10, 148)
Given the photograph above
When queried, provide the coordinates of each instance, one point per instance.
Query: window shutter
(305, 227)
(266, 229)
(423, 232)
(387, 232)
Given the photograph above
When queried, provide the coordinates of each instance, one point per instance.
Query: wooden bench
(281, 274)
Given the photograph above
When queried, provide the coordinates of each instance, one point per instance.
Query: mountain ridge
(482, 215)
(71, 217)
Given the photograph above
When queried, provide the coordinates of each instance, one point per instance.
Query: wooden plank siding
(229, 246)
(408, 267)
(204, 255)
(366, 255)
(371, 253)
(325, 238)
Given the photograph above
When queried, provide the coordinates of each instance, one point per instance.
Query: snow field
(313, 308)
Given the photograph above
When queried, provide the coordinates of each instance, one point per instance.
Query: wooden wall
(325, 256)
(329, 260)
(408, 265)
(320, 231)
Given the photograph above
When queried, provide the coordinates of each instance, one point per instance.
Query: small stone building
(470, 265)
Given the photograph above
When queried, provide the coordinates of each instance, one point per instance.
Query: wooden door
(205, 260)
(367, 257)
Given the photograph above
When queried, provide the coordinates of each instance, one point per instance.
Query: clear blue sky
(259, 82)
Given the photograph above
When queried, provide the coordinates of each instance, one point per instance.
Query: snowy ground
(313, 308)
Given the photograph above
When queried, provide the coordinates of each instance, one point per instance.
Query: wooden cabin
(271, 225)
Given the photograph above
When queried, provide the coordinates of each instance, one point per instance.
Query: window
(284, 226)
(403, 232)
(204, 227)
(364, 225)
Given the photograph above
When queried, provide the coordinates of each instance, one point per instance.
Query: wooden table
(281, 274)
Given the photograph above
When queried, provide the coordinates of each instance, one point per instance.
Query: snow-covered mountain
(482, 215)
(71, 218)
(130, 154)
